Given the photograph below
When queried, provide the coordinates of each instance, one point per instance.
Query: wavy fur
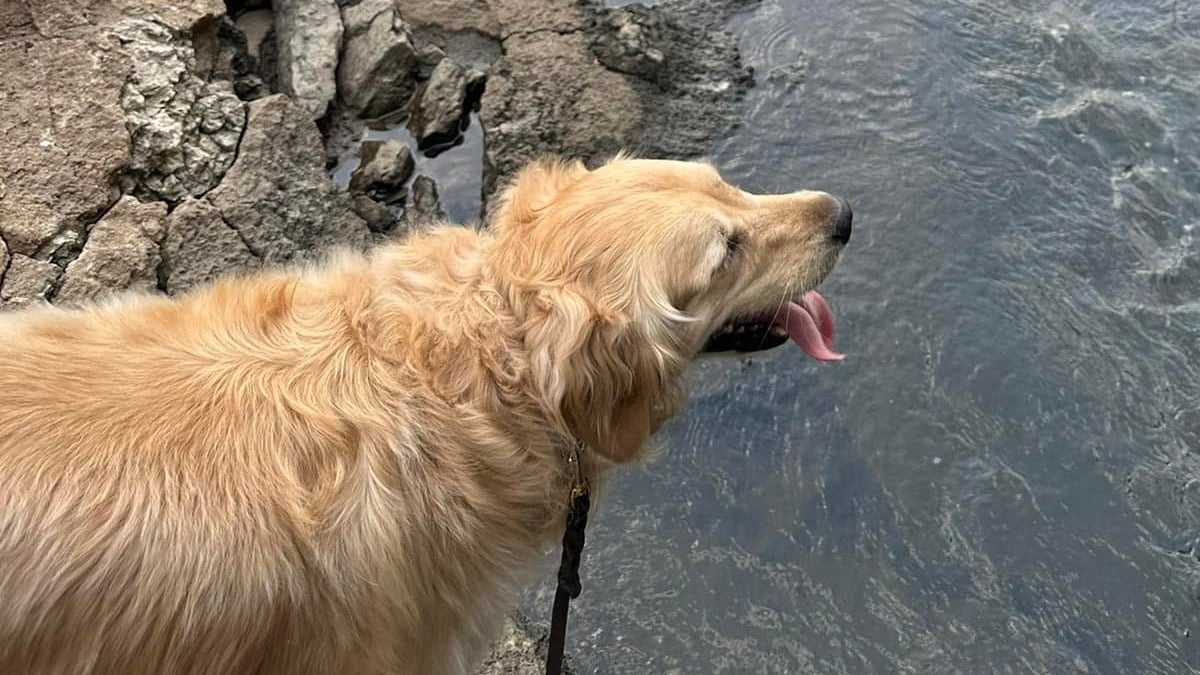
(349, 468)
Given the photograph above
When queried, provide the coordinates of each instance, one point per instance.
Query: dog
(354, 467)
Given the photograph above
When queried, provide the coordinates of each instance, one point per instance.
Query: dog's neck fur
(442, 304)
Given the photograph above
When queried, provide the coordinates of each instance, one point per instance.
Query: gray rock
(184, 129)
(277, 194)
(527, 17)
(585, 80)
(16, 20)
(424, 205)
(791, 76)
(64, 134)
(467, 31)
(548, 94)
(308, 35)
(633, 42)
(378, 217)
(268, 60)
(684, 65)
(121, 253)
(377, 73)
(447, 17)
(28, 280)
(5, 258)
(441, 109)
(519, 651)
(199, 246)
(385, 168)
(74, 19)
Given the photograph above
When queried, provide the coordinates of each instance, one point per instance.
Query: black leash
(569, 586)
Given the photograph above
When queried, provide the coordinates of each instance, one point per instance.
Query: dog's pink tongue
(810, 325)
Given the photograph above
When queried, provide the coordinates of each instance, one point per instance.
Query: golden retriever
(352, 468)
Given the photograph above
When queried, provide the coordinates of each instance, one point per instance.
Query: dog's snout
(843, 220)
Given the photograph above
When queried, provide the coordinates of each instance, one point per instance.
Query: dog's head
(623, 274)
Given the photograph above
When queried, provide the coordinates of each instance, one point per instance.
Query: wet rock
(121, 253)
(199, 246)
(308, 35)
(790, 75)
(441, 110)
(184, 129)
(424, 205)
(378, 217)
(377, 73)
(679, 45)
(28, 280)
(277, 194)
(385, 168)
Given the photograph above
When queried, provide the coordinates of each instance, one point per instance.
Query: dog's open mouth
(807, 321)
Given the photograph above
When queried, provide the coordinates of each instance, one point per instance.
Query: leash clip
(569, 585)
(580, 486)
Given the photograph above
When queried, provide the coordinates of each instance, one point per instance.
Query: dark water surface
(1003, 476)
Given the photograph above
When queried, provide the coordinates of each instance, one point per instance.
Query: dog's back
(295, 472)
(150, 486)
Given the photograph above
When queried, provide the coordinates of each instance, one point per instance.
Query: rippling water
(1002, 477)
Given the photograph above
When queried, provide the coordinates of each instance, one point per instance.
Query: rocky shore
(153, 145)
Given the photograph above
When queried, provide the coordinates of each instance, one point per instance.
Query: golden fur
(351, 468)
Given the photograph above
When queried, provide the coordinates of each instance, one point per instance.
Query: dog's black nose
(843, 222)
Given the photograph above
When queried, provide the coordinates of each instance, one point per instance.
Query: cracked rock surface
(184, 130)
(277, 194)
(65, 140)
(121, 254)
(200, 246)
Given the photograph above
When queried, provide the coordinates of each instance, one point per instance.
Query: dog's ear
(608, 375)
(534, 188)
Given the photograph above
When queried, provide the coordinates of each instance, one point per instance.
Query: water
(1003, 476)
(458, 171)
